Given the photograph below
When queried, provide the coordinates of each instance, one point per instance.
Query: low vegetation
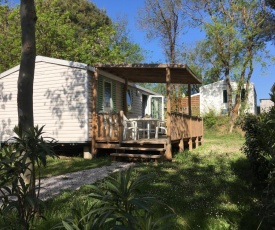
(208, 188)
(259, 149)
(212, 187)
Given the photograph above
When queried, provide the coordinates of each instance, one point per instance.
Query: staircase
(139, 151)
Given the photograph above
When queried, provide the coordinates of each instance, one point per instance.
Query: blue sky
(263, 79)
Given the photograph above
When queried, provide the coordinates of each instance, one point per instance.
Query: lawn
(208, 188)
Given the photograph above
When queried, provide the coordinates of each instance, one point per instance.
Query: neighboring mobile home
(265, 105)
(62, 99)
(213, 97)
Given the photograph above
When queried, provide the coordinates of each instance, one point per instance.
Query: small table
(145, 122)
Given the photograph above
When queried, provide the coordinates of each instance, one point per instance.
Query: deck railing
(108, 127)
(185, 126)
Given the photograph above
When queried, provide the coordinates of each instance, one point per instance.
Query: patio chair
(129, 126)
(161, 125)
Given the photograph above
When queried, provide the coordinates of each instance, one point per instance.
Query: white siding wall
(211, 98)
(8, 105)
(265, 105)
(59, 101)
(136, 103)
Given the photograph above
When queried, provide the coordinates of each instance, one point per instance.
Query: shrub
(120, 204)
(255, 147)
(19, 197)
(210, 119)
(259, 148)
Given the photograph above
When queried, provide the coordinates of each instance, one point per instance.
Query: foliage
(121, 204)
(210, 119)
(269, 25)
(10, 43)
(232, 45)
(71, 30)
(259, 148)
(210, 187)
(20, 202)
(163, 19)
(255, 147)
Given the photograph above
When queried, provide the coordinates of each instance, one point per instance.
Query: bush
(19, 193)
(120, 204)
(210, 119)
(259, 148)
(256, 147)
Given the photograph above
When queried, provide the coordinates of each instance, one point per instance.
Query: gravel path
(52, 186)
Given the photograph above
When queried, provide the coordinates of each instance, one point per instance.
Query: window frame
(129, 95)
(225, 96)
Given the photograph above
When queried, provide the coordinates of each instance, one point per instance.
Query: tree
(9, 45)
(232, 36)
(268, 27)
(201, 61)
(163, 19)
(26, 76)
(71, 30)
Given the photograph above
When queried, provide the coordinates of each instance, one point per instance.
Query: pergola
(149, 73)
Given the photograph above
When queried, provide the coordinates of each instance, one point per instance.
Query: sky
(263, 79)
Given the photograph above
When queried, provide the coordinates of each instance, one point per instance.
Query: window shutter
(114, 95)
(100, 94)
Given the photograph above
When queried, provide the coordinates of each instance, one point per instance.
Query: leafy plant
(210, 119)
(259, 148)
(120, 204)
(19, 192)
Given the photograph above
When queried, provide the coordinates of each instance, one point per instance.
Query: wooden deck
(186, 131)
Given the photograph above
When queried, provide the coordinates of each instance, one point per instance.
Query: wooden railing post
(168, 152)
(121, 130)
(94, 115)
(197, 133)
(125, 109)
(202, 132)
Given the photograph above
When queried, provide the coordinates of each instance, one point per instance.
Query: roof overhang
(152, 73)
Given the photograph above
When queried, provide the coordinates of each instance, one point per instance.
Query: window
(225, 96)
(242, 94)
(129, 100)
(107, 99)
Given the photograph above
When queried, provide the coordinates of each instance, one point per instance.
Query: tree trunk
(235, 112)
(26, 72)
(229, 91)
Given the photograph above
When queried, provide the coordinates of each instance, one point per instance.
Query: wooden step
(107, 145)
(130, 155)
(141, 149)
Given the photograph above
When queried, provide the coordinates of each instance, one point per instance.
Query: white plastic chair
(129, 126)
(161, 125)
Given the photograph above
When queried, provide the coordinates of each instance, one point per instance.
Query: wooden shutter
(114, 96)
(100, 94)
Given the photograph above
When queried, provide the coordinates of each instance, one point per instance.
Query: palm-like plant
(121, 204)
(18, 198)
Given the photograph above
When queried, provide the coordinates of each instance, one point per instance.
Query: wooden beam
(121, 128)
(190, 143)
(189, 101)
(94, 115)
(181, 145)
(168, 153)
(125, 109)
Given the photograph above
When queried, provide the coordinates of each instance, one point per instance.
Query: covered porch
(181, 129)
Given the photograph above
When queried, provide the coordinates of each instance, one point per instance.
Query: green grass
(208, 188)
(63, 165)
